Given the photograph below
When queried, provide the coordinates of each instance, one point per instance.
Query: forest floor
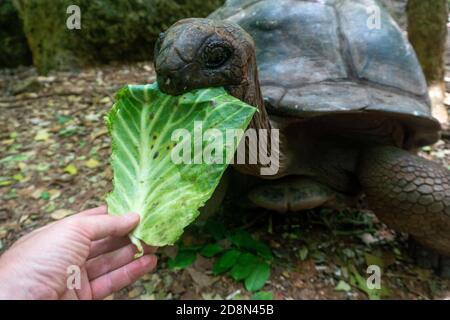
(54, 161)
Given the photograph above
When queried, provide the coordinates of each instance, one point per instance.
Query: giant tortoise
(347, 95)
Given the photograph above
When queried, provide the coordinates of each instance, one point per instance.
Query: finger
(102, 226)
(94, 211)
(109, 244)
(120, 278)
(111, 261)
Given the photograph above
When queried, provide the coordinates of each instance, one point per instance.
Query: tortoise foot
(429, 259)
(293, 194)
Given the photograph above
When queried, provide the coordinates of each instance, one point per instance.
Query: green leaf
(262, 295)
(226, 261)
(183, 259)
(14, 158)
(71, 169)
(244, 266)
(215, 229)
(303, 253)
(374, 260)
(166, 193)
(18, 176)
(210, 250)
(5, 181)
(45, 195)
(243, 239)
(258, 277)
(360, 282)
(343, 286)
(62, 119)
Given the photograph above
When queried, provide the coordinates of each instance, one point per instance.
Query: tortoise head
(200, 53)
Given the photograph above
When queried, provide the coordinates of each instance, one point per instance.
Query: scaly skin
(410, 194)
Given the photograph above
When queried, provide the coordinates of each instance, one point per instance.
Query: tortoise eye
(216, 54)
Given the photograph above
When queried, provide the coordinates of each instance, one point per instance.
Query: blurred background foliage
(34, 31)
(111, 30)
(14, 50)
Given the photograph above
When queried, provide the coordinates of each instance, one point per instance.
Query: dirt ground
(54, 153)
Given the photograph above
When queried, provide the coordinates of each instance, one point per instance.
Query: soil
(54, 161)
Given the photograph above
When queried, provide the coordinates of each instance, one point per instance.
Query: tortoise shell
(328, 57)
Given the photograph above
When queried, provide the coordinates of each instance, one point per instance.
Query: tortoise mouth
(169, 85)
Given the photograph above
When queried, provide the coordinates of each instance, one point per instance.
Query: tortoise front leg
(410, 194)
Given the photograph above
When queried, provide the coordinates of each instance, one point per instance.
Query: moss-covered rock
(14, 49)
(111, 30)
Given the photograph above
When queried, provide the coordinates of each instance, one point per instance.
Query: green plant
(237, 254)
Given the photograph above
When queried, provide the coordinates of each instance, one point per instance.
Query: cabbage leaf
(143, 126)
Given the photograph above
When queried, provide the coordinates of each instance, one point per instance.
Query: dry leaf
(61, 213)
(42, 135)
(201, 279)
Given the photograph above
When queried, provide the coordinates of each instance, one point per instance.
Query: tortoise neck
(249, 91)
(268, 145)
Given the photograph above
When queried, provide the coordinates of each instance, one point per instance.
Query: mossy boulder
(14, 49)
(111, 30)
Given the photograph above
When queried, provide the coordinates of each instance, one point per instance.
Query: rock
(111, 30)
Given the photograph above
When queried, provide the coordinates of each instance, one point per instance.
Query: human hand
(96, 244)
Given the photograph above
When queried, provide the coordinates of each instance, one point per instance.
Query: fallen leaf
(106, 100)
(343, 286)
(61, 213)
(71, 169)
(27, 192)
(303, 253)
(36, 194)
(201, 279)
(45, 195)
(92, 163)
(98, 133)
(54, 193)
(42, 135)
(3, 232)
(4, 181)
(19, 177)
(135, 293)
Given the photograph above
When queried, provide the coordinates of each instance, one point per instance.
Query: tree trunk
(427, 32)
